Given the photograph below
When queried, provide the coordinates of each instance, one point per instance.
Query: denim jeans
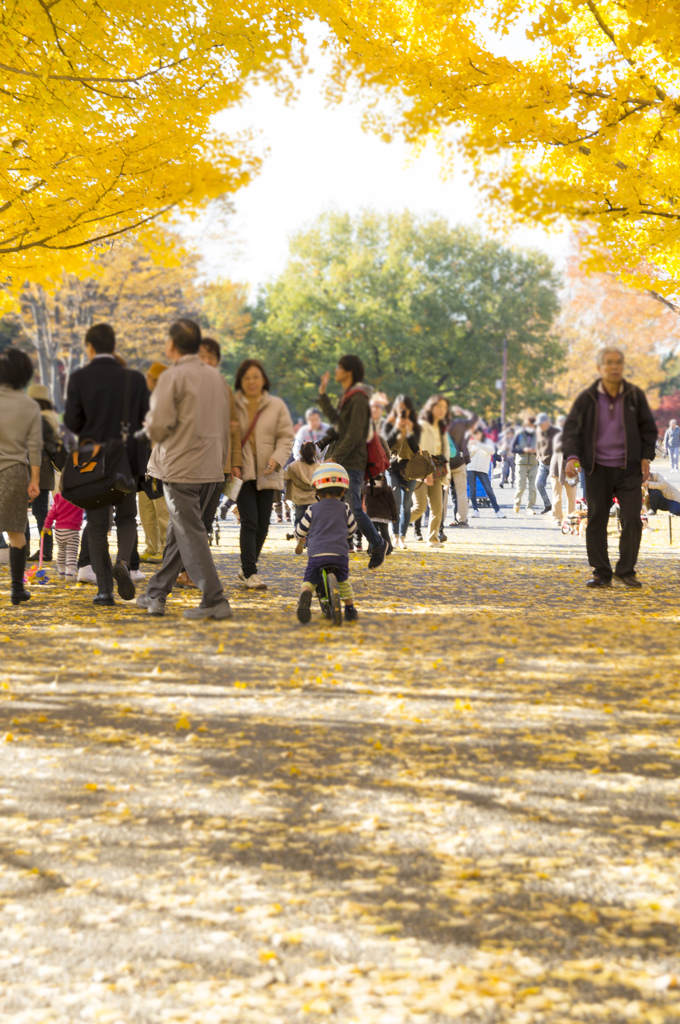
(403, 495)
(541, 478)
(484, 480)
(368, 530)
(673, 453)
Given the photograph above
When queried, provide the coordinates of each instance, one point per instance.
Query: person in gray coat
(190, 422)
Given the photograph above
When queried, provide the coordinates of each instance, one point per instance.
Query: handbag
(441, 466)
(419, 466)
(98, 473)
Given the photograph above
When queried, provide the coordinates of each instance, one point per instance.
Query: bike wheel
(334, 595)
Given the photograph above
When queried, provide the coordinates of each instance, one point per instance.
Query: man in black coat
(612, 432)
(94, 410)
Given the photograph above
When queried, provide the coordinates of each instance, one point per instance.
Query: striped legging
(67, 551)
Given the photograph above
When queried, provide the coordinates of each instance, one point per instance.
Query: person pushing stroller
(328, 526)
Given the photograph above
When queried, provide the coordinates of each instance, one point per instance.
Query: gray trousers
(187, 543)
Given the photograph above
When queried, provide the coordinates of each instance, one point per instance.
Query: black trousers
(84, 556)
(255, 510)
(39, 506)
(98, 520)
(603, 485)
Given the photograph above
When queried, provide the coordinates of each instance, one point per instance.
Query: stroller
(575, 523)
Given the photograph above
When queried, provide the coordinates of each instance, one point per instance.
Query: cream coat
(668, 490)
(433, 441)
(189, 420)
(481, 454)
(274, 437)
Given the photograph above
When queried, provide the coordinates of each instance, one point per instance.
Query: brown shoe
(184, 582)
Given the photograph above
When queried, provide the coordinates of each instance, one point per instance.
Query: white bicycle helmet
(330, 474)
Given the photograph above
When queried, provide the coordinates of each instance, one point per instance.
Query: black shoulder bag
(98, 473)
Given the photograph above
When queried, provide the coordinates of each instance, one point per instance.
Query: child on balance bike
(328, 526)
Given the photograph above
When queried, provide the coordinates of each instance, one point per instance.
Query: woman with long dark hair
(434, 438)
(267, 437)
(402, 434)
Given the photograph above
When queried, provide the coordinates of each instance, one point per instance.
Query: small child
(298, 477)
(68, 520)
(381, 507)
(329, 528)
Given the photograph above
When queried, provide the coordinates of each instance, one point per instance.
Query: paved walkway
(464, 808)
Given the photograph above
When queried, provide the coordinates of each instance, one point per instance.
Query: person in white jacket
(481, 452)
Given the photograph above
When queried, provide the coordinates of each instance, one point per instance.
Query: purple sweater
(610, 446)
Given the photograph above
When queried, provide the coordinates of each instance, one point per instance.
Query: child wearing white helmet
(328, 526)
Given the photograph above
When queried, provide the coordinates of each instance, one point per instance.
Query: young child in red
(67, 519)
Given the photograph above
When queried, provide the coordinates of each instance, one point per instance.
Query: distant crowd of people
(192, 443)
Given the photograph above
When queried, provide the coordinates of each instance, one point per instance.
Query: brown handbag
(419, 466)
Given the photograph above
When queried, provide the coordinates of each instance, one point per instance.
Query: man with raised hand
(351, 419)
(611, 432)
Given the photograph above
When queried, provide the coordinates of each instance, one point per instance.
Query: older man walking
(671, 443)
(611, 431)
(189, 421)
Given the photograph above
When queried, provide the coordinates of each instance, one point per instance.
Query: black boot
(17, 564)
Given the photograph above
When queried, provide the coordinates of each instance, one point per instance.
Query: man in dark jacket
(351, 420)
(612, 432)
(94, 410)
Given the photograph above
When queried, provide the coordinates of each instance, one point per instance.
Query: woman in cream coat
(434, 439)
(267, 440)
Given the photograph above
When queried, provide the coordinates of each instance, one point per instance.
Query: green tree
(425, 305)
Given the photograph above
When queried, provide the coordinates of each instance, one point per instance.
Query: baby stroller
(575, 522)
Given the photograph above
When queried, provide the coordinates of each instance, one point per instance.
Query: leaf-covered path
(463, 808)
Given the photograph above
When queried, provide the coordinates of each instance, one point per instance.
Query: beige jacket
(298, 479)
(234, 456)
(273, 436)
(432, 441)
(190, 422)
(668, 490)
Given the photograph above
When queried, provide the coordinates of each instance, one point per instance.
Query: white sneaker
(500, 515)
(474, 514)
(255, 583)
(241, 576)
(136, 575)
(434, 544)
(87, 575)
(531, 512)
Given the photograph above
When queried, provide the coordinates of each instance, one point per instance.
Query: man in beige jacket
(189, 421)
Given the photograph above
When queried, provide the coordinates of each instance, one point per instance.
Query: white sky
(319, 158)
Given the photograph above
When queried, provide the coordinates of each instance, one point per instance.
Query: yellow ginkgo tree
(106, 115)
(566, 108)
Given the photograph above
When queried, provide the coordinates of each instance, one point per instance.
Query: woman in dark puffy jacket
(402, 434)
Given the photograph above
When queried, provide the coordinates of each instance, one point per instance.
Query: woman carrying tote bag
(267, 438)
(434, 438)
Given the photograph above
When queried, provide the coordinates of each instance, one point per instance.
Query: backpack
(53, 445)
(377, 458)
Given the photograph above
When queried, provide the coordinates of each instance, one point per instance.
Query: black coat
(579, 436)
(94, 406)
